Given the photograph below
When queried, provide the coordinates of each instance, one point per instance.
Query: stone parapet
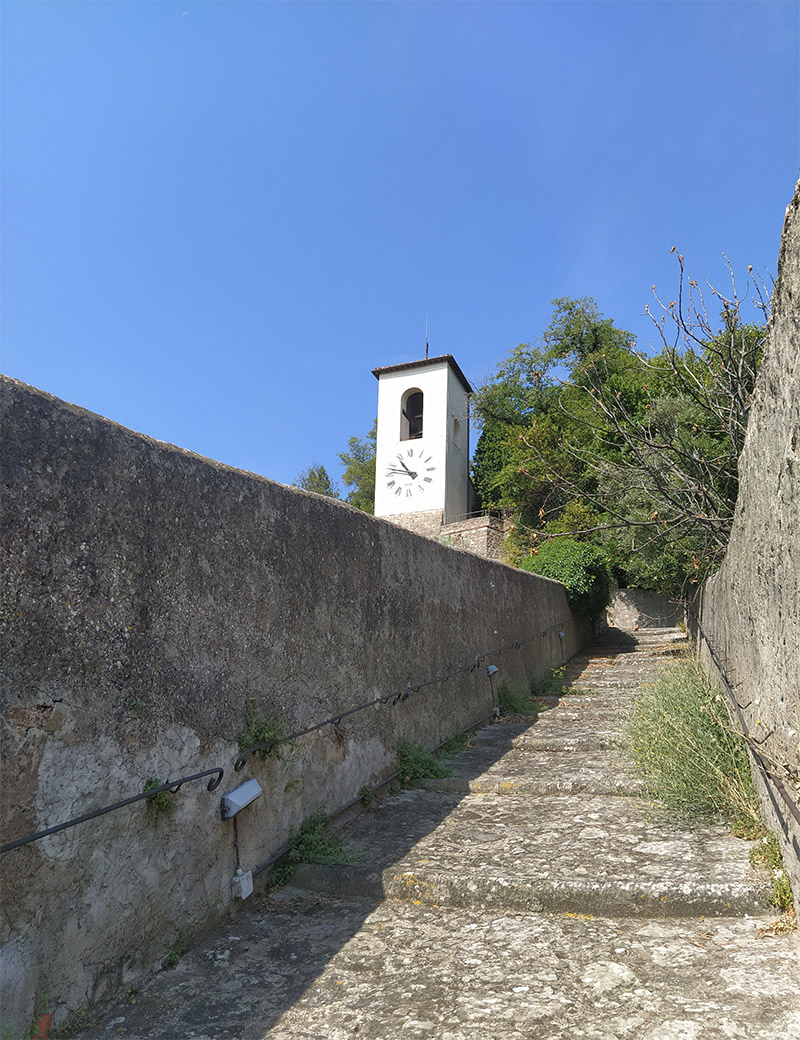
(150, 599)
(427, 523)
(484, 535)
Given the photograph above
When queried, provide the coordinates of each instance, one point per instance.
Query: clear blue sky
(219, 217)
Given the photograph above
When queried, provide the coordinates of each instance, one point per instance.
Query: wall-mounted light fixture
(239, 797)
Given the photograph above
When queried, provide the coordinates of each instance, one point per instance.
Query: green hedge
(581, 567)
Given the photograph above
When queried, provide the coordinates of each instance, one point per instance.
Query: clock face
(410, 473)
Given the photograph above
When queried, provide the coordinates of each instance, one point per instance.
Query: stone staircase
(534, 893)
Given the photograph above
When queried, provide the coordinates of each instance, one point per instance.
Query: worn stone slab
(578, 736)
(308, 969)
(600, 854)
(622, 676)
(597, 708)
(538, 773)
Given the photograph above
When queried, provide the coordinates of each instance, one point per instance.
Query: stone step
(643, 647)
(564, 711)
(520, 893)
(615, 856)
(301, 968)
(536, 773)
(578, 736)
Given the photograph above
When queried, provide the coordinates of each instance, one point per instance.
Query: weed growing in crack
(312, 842)
(74, 1023)
(177, 950)
(416, 764)
(767, 853)
(261, 727)
(157, 805)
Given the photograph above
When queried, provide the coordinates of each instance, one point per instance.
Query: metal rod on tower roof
(426, 337)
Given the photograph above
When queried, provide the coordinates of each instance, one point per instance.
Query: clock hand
(408, 471)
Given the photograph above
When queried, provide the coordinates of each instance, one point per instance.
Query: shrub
(581, 567)
(416, 764)
(312, 842)
(550, 684)
(680, 738)
(514, 700)
(260, 727)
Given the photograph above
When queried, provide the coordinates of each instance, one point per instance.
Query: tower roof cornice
(451, 361)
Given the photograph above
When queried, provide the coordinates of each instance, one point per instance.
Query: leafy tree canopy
(584, 436)
(316, 479)
(359, 470)
(581, 567)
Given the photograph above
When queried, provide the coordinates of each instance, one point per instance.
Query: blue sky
(219, 217)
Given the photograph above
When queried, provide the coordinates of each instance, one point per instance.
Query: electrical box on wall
(242, 884)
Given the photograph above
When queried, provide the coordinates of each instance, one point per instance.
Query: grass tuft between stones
(312, 842)
(682, 741)
(416, 764)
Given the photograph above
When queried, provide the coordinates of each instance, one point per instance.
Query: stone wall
(149, 595)
(750, 610)
(427, 522)
(632, 609)
(484, 535)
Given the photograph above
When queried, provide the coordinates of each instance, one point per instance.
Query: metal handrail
(173, 787)
(334, 720)
(393, 698)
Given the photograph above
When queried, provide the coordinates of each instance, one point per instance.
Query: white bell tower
(422, 461)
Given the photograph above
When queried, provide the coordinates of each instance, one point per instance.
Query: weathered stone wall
(148, 594)
(631, 609)
(750, 610)
(427, 522)
(484, 535)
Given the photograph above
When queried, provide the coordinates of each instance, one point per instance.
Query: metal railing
(173, 786)
(218, 772)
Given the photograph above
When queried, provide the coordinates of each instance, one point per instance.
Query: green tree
(535, 413)
(637, 454)
(493, 454)
(316, 479)
(359, 470)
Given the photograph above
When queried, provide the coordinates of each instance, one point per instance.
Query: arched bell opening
(411, 415)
